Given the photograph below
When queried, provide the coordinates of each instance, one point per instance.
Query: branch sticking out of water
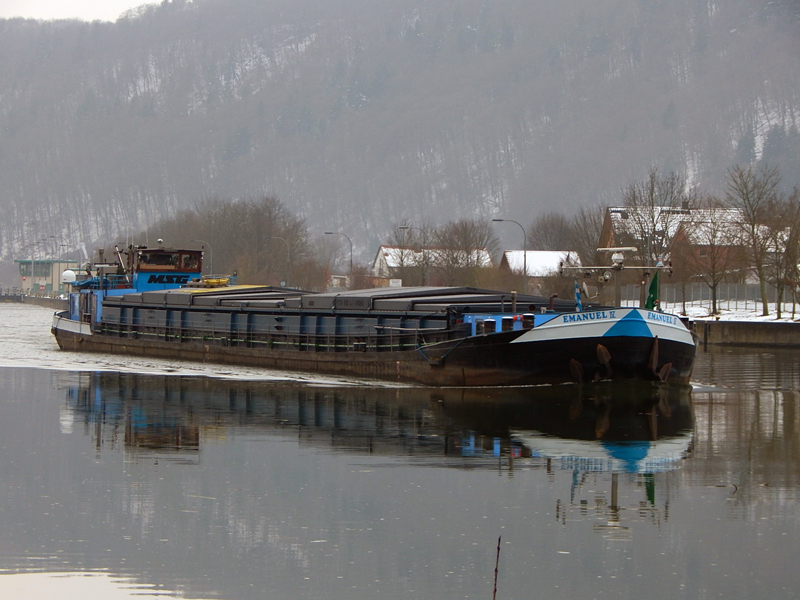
(496, 567)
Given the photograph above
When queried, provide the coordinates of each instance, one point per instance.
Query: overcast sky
(88, 10)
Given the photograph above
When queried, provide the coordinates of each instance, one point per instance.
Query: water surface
(145, 478)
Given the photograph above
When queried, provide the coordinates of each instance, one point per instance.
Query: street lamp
(524, 242)
(51, 242)
(33, 266)
(210, 270)
(60, 263)
(34, 245)
(351, 249)
(424, 243)
(275, 237)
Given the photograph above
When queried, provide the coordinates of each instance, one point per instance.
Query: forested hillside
(358, 115)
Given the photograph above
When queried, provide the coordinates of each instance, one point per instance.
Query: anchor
(662, 373)
(577, 370)
(653, 362)
(604, 357)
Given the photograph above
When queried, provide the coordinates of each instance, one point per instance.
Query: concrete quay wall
(747, 333)
(54, 303)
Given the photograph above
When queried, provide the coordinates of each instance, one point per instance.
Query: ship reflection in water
(633, 431)
(233, 489)
(645, 428)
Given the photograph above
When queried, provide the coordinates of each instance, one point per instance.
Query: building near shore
(43, 275)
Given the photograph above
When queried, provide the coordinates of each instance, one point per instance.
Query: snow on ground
(728, 311)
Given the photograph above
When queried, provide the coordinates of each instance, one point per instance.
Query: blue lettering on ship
(173, 279)
(662, 318)
(588, 316)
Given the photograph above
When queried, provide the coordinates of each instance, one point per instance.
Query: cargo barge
(438, 336)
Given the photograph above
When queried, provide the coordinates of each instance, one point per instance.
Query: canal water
(137, 478)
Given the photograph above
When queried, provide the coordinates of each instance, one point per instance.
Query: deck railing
(380, 340)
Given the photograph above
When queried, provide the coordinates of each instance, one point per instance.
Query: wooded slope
(359, 114)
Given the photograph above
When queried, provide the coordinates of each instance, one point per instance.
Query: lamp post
(60, 263)
(351, 249)
(33, 257)
(33, 262)
(50, 257)
(210, 256)
(524, 247)
(275, 237)
(424, 243)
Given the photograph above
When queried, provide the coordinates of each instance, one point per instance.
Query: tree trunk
(762, 282)
(683, 298)
(714, 299)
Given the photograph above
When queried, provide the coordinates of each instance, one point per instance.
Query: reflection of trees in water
(744, 368)
(747, 438)
(748, 442)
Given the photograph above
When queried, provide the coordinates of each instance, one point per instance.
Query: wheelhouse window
(189, 261)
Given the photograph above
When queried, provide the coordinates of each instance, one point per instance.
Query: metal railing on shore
(731, 297)
(12, 291)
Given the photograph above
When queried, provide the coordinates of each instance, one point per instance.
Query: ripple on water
(26, 341)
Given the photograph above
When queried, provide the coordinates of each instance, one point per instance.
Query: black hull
(492, 360)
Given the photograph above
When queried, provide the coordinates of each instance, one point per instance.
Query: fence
(730, 297)
(12, 291)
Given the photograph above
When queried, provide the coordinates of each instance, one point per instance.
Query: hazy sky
(88, 10)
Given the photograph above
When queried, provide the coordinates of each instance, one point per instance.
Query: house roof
(540, 263)
(625, 219)
(701, 226)
(714, 225)
(633, 220)
(396, 256)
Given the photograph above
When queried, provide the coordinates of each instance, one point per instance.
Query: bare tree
(457, 255)
(656, 208)
(313, 270)
(584, 237)
(792, 247)
(362, 278)
(550, 231)
(682, 269)
(413, 253)
(257, 237)
(708, 246)
(784, 252)
(755, 194)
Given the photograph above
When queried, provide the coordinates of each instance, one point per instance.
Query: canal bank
(755, 334)
(45, 301)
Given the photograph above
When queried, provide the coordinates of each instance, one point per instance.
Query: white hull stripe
(637, 323)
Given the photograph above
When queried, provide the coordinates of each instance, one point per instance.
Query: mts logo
(180, 279)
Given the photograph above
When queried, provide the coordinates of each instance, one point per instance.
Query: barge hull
(477, 361)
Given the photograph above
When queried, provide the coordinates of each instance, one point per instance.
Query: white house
(539, 263)
(390, 261)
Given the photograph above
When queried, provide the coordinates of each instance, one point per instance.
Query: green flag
(652, 295)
